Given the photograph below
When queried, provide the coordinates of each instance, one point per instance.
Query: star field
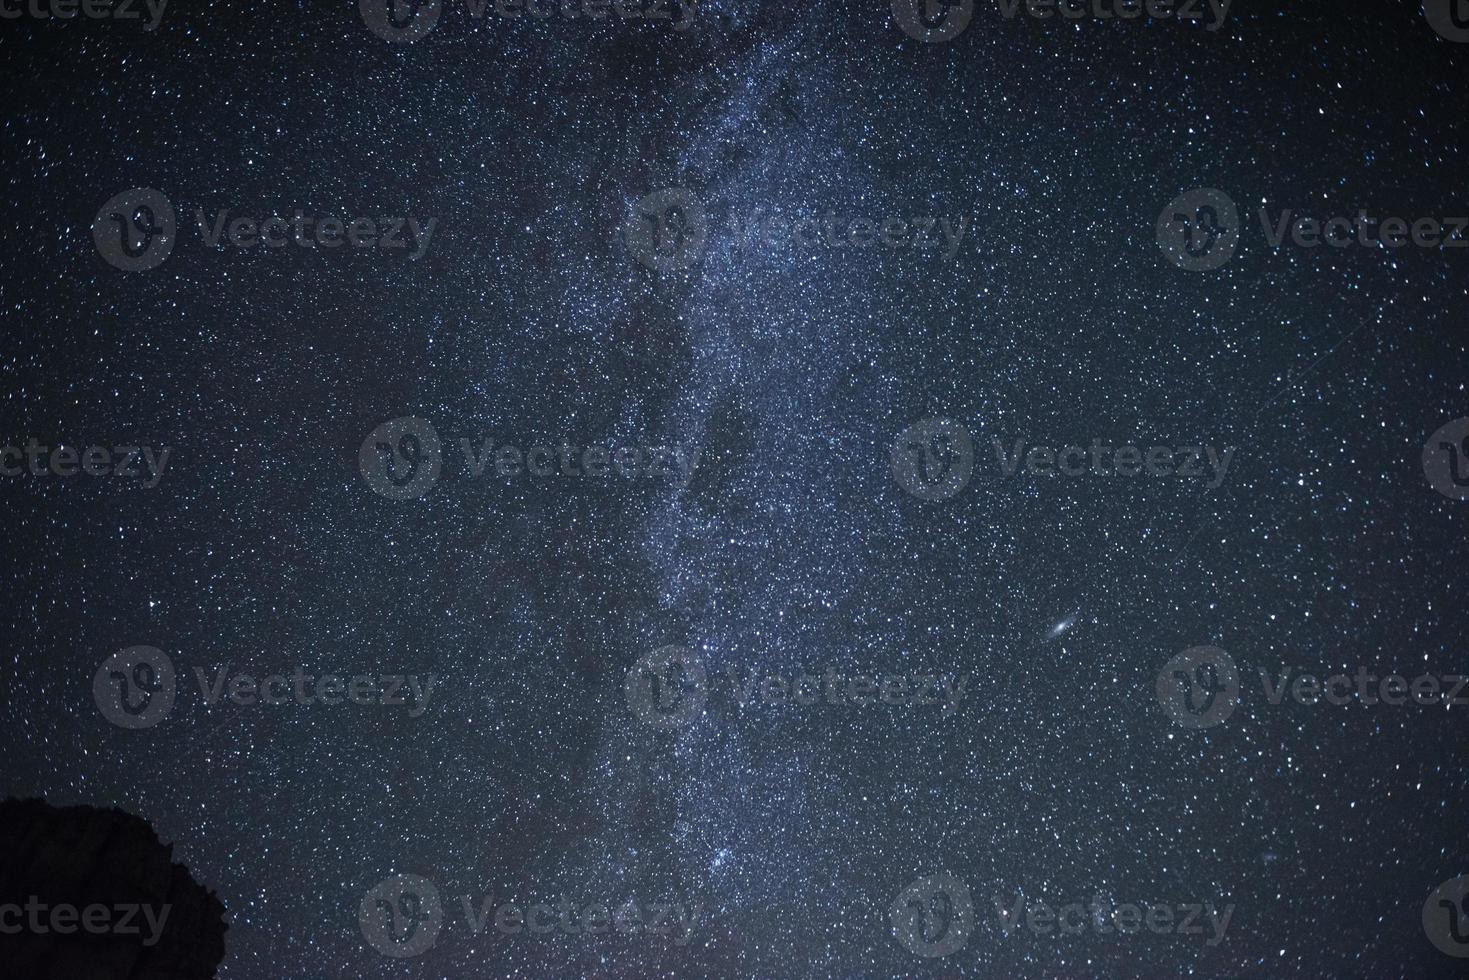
(793, 363)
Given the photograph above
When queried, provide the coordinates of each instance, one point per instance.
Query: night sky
(671, 242)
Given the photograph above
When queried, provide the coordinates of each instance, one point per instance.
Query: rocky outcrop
(97, 896)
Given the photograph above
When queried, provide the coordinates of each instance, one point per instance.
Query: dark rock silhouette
(88, 858)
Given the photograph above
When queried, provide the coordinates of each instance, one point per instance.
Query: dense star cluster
(821, 490)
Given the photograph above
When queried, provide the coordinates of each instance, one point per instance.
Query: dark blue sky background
(793, 369)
